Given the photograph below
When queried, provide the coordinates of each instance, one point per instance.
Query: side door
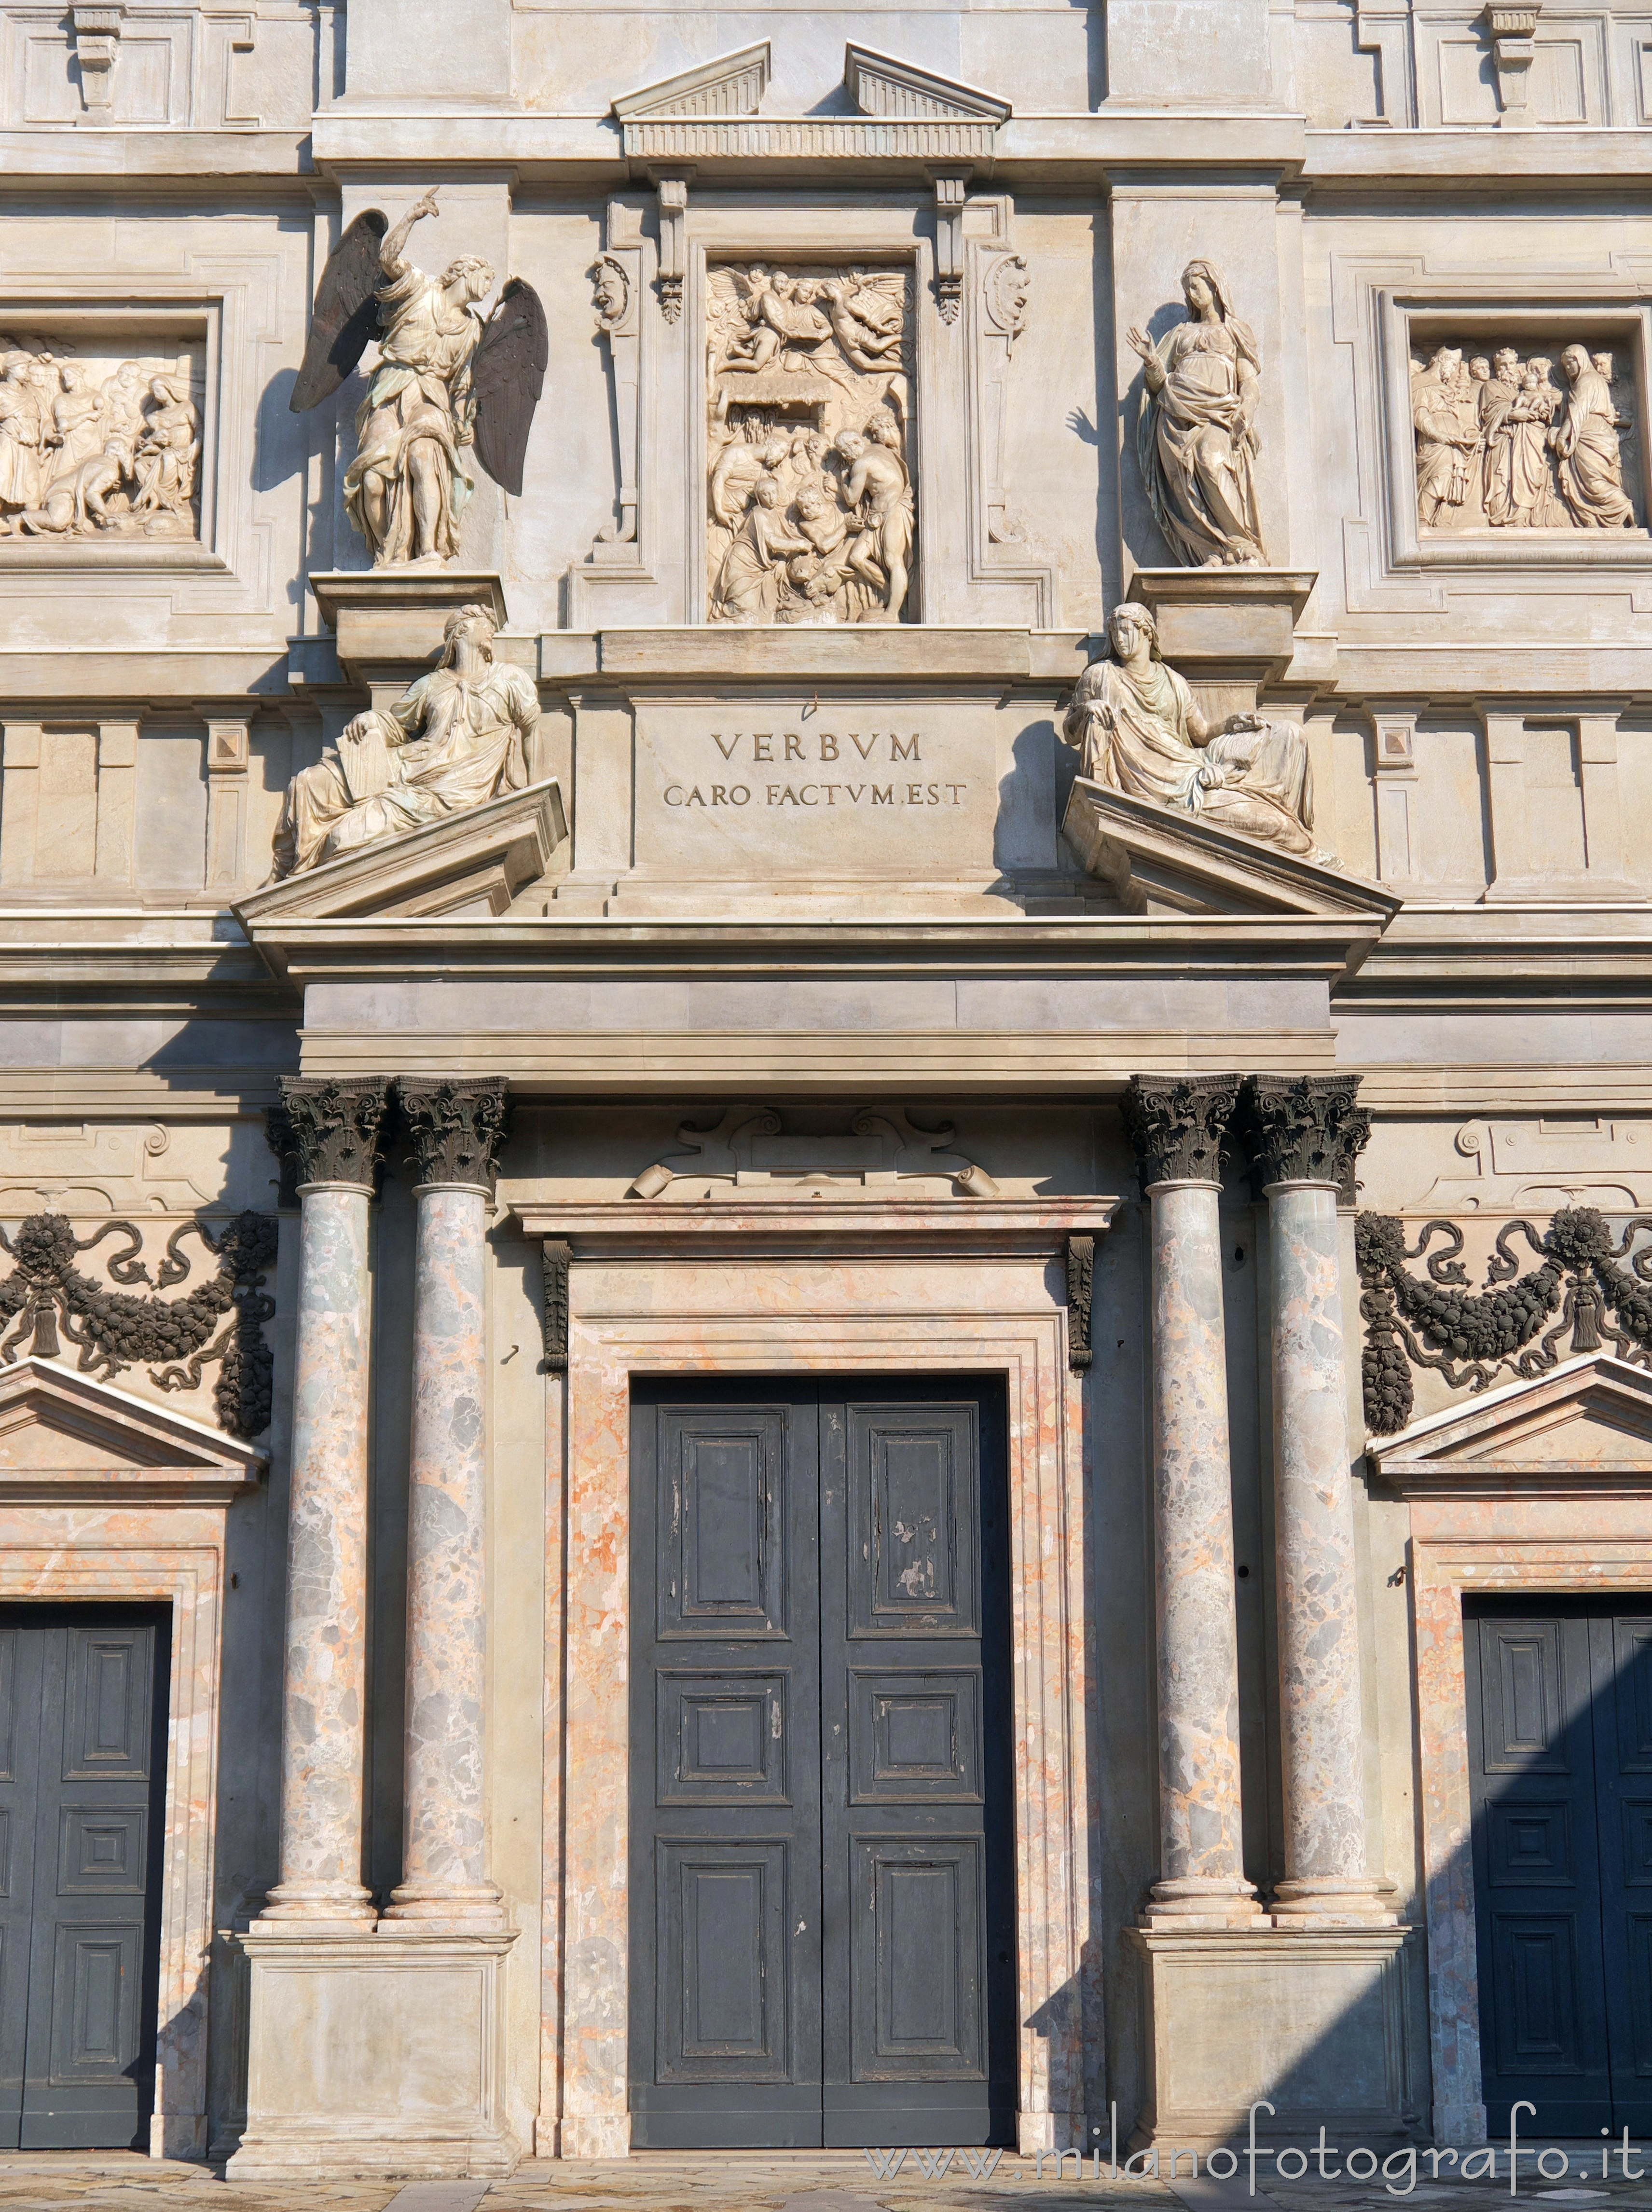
(916, 1794)
(1537, 1880)
(725, 1854)
(83, 1801)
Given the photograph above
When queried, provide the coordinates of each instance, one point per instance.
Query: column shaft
(324, 1685)
(1201, 1844)
(1322, 1734)
(445, 1862)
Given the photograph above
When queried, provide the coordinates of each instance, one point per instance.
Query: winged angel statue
(447, 379)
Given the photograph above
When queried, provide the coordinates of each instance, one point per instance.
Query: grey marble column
(329, 1131)
(456, 1129)
(1306, 1133)
(1177, 1126)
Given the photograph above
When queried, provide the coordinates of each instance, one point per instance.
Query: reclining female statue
(1136, 728)
(455, 739)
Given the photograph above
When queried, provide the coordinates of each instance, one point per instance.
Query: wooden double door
(82, 1789)
(1560, 1756)
(821, 1882)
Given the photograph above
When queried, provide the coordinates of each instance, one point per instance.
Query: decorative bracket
(1081, 1283)
(672, 188)
(950, 185)
(555, 1257)
(97, 45)
(1513, 30)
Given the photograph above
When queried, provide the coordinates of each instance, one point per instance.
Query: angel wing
(508, 374)
(346, 314)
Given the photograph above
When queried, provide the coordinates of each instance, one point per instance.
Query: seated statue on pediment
(455, 739)
(1137, 729)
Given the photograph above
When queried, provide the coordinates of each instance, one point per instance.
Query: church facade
(765, 1392)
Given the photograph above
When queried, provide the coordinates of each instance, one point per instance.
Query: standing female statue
(1136, 729)
(1196, 434)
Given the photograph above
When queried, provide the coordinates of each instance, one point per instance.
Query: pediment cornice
(66, 1438)
(1584, 1426)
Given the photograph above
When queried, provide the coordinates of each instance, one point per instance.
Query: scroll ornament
(45, 1293)
(1470, 1338)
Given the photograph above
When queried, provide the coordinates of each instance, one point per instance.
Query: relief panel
(96, 443)
(810, 377)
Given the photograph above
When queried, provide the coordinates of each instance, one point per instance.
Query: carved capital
(330, 1127)
(457, 1129)
(1179, 1125)
(1306, 1129)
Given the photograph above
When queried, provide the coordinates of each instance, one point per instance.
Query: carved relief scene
(98, 446)
(809, 488)
(1523, 435)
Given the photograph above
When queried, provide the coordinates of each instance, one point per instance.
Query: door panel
(1621, 1646)
(725, 1860)
(830, 1902)
(82, 1722)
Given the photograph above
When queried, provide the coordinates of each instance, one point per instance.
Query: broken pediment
(1585, 1425)
(1158, 860)
(709, 113)
(879, 84)
(469, 866)
(732, 84)
(67, 1438)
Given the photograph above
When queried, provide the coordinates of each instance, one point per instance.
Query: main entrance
(1560, 1749)
(83, 1785)
(822, 1857)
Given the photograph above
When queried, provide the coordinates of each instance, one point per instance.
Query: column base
(322, 1905)
(1330, 1901)
(473, 1908)
(1197, 1901)
(1312, 2022)
(374, 2060)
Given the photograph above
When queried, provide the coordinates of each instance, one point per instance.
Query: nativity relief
(1508, 442)
(808, 377)
(93, 446)
(1136, 728)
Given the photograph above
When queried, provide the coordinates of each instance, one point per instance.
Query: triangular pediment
(880, 84)
(1158, 860)
(733, 84)
(1587, 1424)
(67, 1435)
(469, 865)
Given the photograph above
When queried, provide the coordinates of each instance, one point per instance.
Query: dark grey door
(821, 1871)
(1560, 1746)
(83, 1776)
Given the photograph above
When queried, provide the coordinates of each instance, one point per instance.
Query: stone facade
(833, 712)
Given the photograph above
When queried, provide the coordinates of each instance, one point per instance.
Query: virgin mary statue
(1136, 729)
(1196, 436)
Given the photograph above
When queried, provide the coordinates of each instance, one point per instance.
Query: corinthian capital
(329, 1129)
(1178, 1124)
(1306, 1129)
(457, 1129)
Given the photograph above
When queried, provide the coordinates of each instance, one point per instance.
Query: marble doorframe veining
(1466, 1546)
(174, 1555)
(971, 1312)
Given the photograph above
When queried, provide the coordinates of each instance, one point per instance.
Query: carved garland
(1469, 1337)
(115, 1330)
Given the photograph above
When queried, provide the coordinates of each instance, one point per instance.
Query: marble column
(330, 1132)
(1177, 1126)
(1306, 1132)
(456, 1129)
